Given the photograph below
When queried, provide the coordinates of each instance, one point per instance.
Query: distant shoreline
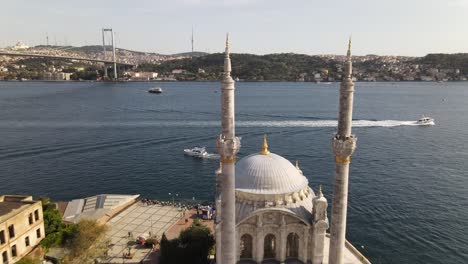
(246, 81)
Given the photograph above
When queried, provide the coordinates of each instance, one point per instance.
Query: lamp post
(173, 203)
(151, 230)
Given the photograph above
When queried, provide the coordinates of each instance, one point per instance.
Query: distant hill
(287, 66)
(284, 66)
(301, 67)
(450, 61)
(191, 54)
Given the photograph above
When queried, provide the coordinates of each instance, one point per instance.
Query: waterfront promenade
(138, 219)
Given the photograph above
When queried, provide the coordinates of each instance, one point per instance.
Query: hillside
(300, 67)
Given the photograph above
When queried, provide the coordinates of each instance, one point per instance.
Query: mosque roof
(268, 173)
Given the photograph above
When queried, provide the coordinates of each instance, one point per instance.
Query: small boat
(198, 152)
(155, 90)
(425, 121)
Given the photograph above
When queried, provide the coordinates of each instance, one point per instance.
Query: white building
(278, 216)
(21, 226)
(20, 46)
(144, 75)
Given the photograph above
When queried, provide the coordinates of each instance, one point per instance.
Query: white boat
(198, 152)
(155, 90)
(425, 121)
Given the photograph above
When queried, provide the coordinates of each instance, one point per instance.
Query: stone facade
(21, 226)
(278, 233)
(276, 221)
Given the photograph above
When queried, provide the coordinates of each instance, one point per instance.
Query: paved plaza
(133, 221)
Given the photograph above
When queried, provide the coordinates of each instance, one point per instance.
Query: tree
(87, 242)
(53, 224)
(192, 246)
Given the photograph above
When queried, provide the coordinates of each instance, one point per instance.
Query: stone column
(283, 240)
(305, 241)
(218, 244)
(218, 215)
(259, 239)
(228, 145)
(344, 144)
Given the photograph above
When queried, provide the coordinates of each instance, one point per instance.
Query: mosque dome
(268, 173)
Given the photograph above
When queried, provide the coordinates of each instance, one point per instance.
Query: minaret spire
(348, 54)
(344, 144)
(227, 59)
(228, 145)
(348, 63)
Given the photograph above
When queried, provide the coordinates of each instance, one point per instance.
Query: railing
(354, 251)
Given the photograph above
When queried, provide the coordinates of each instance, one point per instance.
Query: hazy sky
(384, 27)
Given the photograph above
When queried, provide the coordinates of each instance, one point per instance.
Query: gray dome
(268, 174)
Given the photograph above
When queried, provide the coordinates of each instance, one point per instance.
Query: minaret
(320, 226)
(192, 40)
(228, 146)
(344, 144)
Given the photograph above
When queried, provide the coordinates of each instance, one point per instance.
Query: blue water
(408, 197)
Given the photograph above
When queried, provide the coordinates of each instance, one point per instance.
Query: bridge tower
(104, 30)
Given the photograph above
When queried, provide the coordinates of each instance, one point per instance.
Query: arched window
(246, 246)
(269, 247)
(292, 246)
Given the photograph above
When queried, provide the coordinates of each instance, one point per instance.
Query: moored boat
(155, 90)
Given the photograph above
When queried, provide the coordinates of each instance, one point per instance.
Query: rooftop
(100, 207)
(11, 205)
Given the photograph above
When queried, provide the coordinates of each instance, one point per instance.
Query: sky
(382, 27)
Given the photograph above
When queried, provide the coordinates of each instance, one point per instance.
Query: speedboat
(198, 152)
(155, 90)
(425, 121)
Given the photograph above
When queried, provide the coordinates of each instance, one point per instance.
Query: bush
(87, 233)
(192, 246)
(26, 260)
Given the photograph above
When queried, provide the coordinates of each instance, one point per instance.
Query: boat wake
(202, 123)
(325, 123)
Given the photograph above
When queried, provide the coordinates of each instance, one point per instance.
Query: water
(408, 199)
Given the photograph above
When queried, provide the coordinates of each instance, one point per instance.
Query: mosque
(267, 212)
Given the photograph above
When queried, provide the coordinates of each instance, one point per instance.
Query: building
(20, 46)
(266, 210)
(144, 76)
(100, 207)
(278, 216)
(21, 226)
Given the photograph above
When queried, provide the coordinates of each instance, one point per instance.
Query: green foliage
(86, 234)
(53, 224)
(192, 246)
(86, 241)
(449, 61)
(284, 66)
(57, 233)
(52, 240)
(26, 260)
